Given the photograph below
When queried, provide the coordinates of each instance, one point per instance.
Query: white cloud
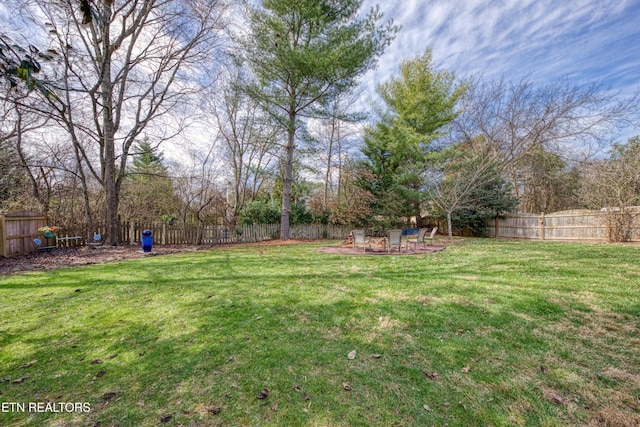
(586, 40)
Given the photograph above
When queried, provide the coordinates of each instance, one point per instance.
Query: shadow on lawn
(209, 355)
(204, 358)
(196, 346)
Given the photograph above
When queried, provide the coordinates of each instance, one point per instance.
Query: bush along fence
(165, 234)
(606, 225)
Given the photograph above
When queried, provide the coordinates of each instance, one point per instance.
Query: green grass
(484, 333)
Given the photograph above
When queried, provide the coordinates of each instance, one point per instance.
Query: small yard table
(69, 242)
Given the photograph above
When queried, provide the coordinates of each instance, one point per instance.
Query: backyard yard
(482, 333)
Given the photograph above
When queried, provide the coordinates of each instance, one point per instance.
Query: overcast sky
(583, 40)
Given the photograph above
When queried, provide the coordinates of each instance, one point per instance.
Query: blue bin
(147, 241)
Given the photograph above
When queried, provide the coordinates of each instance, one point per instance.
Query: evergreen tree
(418, 106)
(148, 191)
(148, 161)
(304, 53)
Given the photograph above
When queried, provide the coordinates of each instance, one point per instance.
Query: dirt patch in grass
(82, 256)
(63, 258)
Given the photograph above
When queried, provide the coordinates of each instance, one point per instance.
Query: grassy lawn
(484, 333)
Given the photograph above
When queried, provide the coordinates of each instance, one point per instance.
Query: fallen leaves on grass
(96, 362)
(433, 376)
(28, 364)
(554, 398)
(20, 380)
(264, 393)
(108, 396)
(426, 407)
(351, 355)
(297, 388)
(346, 386)
(466, 369)
(166, 418)
(274, 408)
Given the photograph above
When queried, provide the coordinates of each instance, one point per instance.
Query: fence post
(541, 226)
(497, 228)
(132, 232)
(3, 242)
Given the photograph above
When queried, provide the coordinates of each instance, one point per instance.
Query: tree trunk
(111, 203)
(288, 178)
(418, 213)
(110, 184)
(450, 226)
(327, 177)
(89, 230)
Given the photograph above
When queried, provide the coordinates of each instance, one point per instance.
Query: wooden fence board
(17, 233)
(574, 225)
(219, 235)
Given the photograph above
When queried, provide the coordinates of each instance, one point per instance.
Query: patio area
(380, 250)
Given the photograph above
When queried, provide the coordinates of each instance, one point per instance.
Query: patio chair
(97, 241)
(359, 238)
(394, 238)
(422, 237)
(42, 246)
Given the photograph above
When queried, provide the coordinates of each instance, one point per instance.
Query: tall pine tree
(303, 54)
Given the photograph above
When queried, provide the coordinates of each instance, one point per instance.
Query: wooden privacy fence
(576, 225)
(17, 232)
(164, 234)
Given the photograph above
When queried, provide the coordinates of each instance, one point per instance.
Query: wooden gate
(17, 232)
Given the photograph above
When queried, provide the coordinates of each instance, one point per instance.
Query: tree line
(213, 111)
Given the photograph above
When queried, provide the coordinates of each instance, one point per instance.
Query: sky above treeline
(584, 41)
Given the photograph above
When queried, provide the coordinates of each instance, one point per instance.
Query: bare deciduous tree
(454, 182)
(333, 138)
(197, 183)
(125, 68)
(613, 184)
(521, 119)
(249, 139)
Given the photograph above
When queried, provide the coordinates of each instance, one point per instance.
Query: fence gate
(17, 232)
